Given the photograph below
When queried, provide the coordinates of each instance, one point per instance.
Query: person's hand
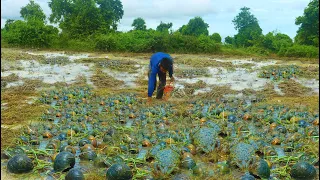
(172, 79)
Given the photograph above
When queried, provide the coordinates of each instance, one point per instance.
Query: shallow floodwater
(72, 58)
(128, 78)
(238, 79)
(256, 64)
(50, 73)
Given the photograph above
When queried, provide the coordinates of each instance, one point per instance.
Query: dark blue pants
(162, 83)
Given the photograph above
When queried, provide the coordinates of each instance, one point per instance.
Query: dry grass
(245, 65)
(203, 62)
(268, 91)
(11, 78)
(310, 72)
(103, 80)
(189, 89)
(292, 88)
(216, 92)
(80, 81)
(311, 102)
(191, 72)
(18, 111)
(118, 65)
(90, 60)
(13, 55)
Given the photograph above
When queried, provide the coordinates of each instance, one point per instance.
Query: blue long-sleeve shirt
(154, 67)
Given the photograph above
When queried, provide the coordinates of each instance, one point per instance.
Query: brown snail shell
(104, 123)
(87, 147)
(273, 126)
(187, 154)
(276, 141)
(70, 149)
(203, 120)
(47, 134)
(192, 149)
(58, 115)
(131, 115)
(316, 122)
(94, 143)
(247, 117)
(269, 151)
(146, 143)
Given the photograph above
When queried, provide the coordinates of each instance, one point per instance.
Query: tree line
(90, 25)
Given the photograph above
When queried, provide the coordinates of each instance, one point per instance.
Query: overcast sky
(272, 14)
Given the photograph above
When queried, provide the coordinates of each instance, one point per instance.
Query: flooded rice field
(68, 116)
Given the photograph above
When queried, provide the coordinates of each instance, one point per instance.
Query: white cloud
(272, 14)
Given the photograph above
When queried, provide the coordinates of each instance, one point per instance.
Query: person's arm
(171, 71)
(152, 81)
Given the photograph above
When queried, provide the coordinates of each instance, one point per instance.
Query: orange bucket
(167, 91)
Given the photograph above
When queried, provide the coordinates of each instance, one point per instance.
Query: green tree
(32, 32)
(229, 40)
(7, 24)
(81, 18)
(195, 27)
(32, 11)
(308, 32)
(244, 19)
(275, 41)
(164, 27)
(249, 36)
(249, 31)
(139, 24)
(216, 37)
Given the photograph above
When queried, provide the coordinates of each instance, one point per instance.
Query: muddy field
(219, 108)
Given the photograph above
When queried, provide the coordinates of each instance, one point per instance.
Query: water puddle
(202, 90)
(128, 78)
(311, 83)
(242, 61)
(50, 73)
(239, 79)
(31, 99)
(72, 58)
(277, 89)
(4, 106)
(15, 83)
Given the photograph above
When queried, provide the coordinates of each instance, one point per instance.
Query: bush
(258, 50)
(300, 51)
(105, 43)
(80, 45)
(207, 45)
(30, 34)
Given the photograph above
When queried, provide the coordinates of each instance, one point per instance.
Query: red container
(167, 91)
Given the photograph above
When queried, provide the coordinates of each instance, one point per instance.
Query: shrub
(300, 51)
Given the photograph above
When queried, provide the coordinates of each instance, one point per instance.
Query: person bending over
(160, 64)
